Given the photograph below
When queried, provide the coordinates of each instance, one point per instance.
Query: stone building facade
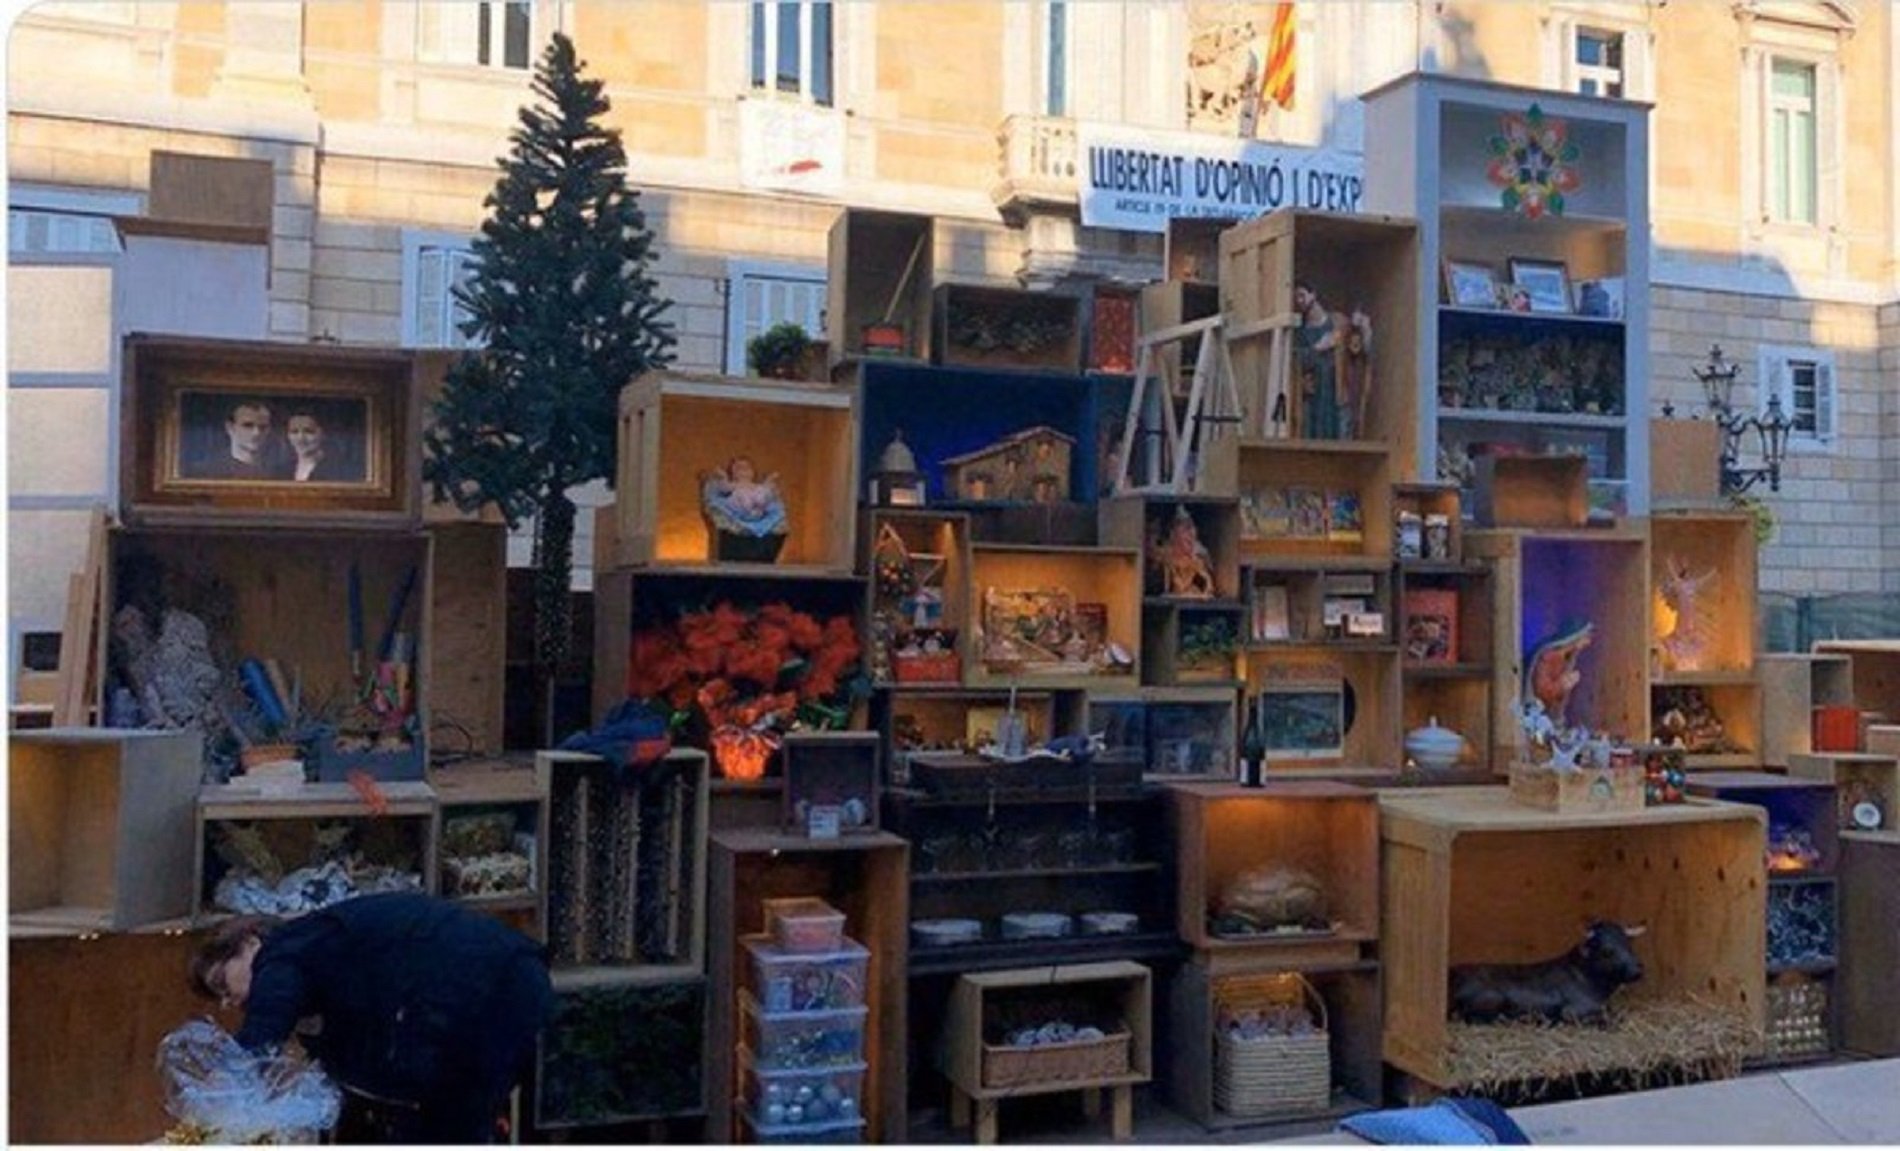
(1776, 222)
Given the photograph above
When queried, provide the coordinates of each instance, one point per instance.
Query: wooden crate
(1370, 673)
(1870, 942)
(881, 264)
(495, 787)
(1275, 477)
(1178, 733)
(860, 875)
(1114, 318)
(1533, 491)
(101, 827)
(1351, 995)
(284, 595)
(1803, 804)
(947, 719)
(1171, 304)
(468, 619)
(1423, 499)
(1718, 552)
(938, 546)
(622, 1047)
(1883, 739)
(166, 421)
(1328, 830)
(968, 1050)
(403, 833)
(1792, 686)
(1005, 328)
(677, 428)
(1548, 580)
(86, 1013)
(1191, 248)
(1358, 261)
(1131, 521)
(1471, 877)
(834, 769)
(1876, 665)
(626, 860)
(1685, 463)
(1107, 576)
(1857, 777)
(1590, 790)
(1455, 691)
(1166, 627)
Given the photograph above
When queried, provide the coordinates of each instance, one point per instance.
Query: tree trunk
(553, 600)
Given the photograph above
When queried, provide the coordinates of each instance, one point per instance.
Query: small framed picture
(1602, 298)
(1546, 283)
(1470, 285)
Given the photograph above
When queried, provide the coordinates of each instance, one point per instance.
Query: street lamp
(1771, 427)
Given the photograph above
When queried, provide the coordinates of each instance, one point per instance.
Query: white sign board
(787, 147)
(1137, 181)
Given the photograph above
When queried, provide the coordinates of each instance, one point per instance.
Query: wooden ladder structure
(1180, 463)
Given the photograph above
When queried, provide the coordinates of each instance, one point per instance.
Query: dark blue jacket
(411, 990)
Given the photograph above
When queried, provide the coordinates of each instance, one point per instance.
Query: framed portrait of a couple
(240, 428)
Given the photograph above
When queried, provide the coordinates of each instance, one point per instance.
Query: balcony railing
(1040, 161)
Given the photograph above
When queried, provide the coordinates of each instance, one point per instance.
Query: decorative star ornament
(1534, 161)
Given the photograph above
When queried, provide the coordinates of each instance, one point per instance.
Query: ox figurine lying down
(1573, 988)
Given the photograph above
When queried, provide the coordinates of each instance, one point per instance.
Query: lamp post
(1771, 426)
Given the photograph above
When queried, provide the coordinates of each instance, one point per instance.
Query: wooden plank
(81, 639)
(1870, 941)
(467, 620)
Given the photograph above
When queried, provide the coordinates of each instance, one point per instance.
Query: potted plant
(778, 351)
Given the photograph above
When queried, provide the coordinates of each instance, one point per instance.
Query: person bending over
(427, 1009)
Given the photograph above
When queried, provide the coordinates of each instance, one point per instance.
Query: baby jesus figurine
(738, 503)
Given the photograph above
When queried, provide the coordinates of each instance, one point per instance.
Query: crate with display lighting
(862, 877)
(1866, 786)
(1445, 622)
(1357, 274)
(1327, 708)
(1052, 616)
(1876, 672)
(918, 599)
(1192, 612)
(1470, 876)
(1533, 281)
(1024, 453)
(1706, 691)
(742, 472)
(1570, 607)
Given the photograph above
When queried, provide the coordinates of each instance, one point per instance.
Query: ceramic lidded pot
(1434, 748)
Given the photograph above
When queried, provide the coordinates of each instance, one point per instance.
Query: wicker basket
(1271, 1073)
(1081, 1062)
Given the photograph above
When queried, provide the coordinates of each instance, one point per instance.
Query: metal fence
(1794, 623)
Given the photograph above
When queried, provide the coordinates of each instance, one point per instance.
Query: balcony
(1040, 162)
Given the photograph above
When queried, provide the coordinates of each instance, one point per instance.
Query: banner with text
(1137, 180)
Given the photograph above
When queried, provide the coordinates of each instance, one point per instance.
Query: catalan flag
(1277, 82)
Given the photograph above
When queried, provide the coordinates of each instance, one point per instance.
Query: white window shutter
(461, 270)
(431, 291)
(761, 298)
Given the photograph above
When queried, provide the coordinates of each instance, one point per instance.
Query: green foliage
(568, 313)
(777, 348)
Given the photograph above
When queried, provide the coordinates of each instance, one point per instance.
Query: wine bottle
(1253, 750)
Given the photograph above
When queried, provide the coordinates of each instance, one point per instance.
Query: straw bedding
(1647, 1042)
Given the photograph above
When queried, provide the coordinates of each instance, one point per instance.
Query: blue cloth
(633, 735)
(1447, 1122)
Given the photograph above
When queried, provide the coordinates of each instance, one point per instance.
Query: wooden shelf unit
(675, 428)
(934, 539)
(881, 269)
(1184, 732)
(1856, 776)
(1457, 693)
(954, 304)
(1131, 521)
(1370, 673)
(288, 822)
(101, 827)
(503, 788)
(860, 875)
(1328, 830)
(1362, 470)
(1876, 671)
(1469, 876)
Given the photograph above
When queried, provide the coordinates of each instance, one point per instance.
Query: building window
(490, 33)
(1804, 379)
(761, 295)
(1599, 62)
(432, 268)
(791, 49)
(1791, 142)
(36, 230)
(1055, 60)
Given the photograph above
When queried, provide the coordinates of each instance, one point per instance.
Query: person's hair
(260, 405)
(223, 945)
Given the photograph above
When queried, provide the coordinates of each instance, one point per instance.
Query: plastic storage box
(805, 1101)
(799, 1040)
(842, 1131)
(807, 980)
(804, 924)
